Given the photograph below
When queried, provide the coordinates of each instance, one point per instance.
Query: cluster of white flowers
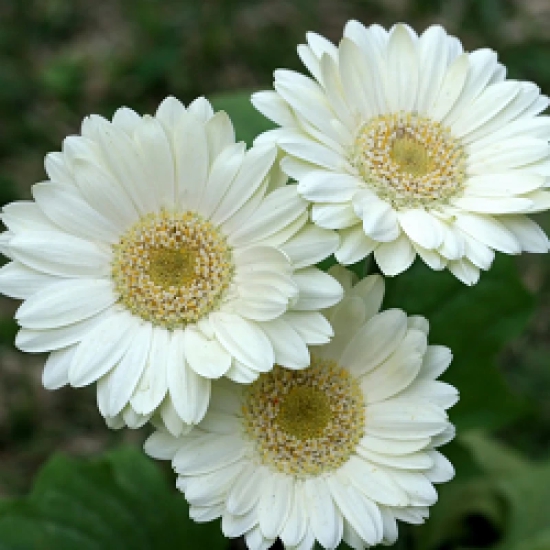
(176, 269)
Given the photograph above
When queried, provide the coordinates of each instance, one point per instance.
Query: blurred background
(61, 60)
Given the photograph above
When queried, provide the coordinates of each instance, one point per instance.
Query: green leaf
(475, 322)
(120, 501)
(524, 486)
(248, 122)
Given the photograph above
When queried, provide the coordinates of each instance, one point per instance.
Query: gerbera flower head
(337, 451)
(410, 146)
(160, 255)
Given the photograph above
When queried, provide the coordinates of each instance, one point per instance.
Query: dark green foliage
(120, 501)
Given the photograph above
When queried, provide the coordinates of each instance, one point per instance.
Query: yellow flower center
(305, 422)
(409, 160)
(304, 413)
(171, 268)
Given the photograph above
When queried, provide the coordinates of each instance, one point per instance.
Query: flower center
(304, 422)
(409, 160)
(171, 268)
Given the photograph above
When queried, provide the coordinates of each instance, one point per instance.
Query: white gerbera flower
(408, 145)
(161, 255)
(334, 452)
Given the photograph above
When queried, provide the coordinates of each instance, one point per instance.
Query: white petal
(57, 169)
(434, 59)
(272, 106)
(314, 153)
(206, 357)
(65, 302)
(362, 80)
(101, 348)
(374, 341)
(479, 254)
(35, 341)
(208, 453)
(507, 154)
(69, 211)
(256, 541)
(56, 369)
(126, 119)
(528, 233)
(289, 348)
(210, 489)
(202, 514)
(502, 185)
(274, 504)
(402, 68)
(422, 228)
(236, 526)
(334, 216)
(18, 281)
(433, 259)
(190, 392)
(318, 290)
(397, 371)
(126, 164)
(241, 374)
(223, 170)
(360, 511)
(191, 152)
(395, 257)
(405, 419)
(279, 209)
(390, 525)
(161, 446)
(103, 193)
(421, 492)
(246, 489)
(354, 245)
(489, 231)
(371, 291)
(486, 106)
(482, 66)
(56, 253)
(170, 112)
(442, 394)
(296, 524)
(346, 318)
(220, 423)
(156, 152)
(379, 218)
(411, 461)
(436, 361)
(373, 483)
(312, 326)
(325, 519)
(324, 186)
(509, 205)
(451, 88)
(219, 134)
(171, 420)
(441, 471)
(21, 216)
(310, 246)
(201, 108)
(254, 168)
(125, 376)
(335, 93)
(153, 384)
(244, 340)
(393, 446)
